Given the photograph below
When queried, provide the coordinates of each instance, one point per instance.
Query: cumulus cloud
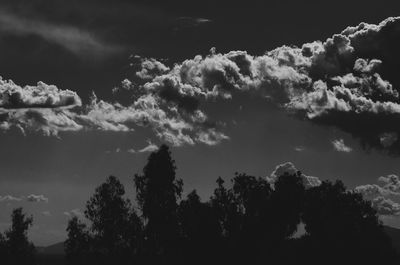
(389, 186)
(337, 82)
(75, 40)
(289, 168)
(340, 146)
(386, 206)
(43, 108)
(379, 194)
(391, 183)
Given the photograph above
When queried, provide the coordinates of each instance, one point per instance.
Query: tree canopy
(250, 220)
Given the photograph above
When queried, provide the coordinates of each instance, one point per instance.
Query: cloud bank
(339, 82)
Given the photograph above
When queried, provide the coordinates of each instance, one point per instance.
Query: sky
(90, 88)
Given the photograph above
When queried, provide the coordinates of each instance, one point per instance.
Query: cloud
(147, 149)
(290, 169)
(74, 213)
(340, 146)
(36, 198)
(29, 198)
(43, 108)
(335, 82)
(75, 40)
(385, 206)
(390, 186)
(9, 198)
(378, 194)
(340, 82)
(182, 23)
(46, 213)
(42, 95)
(391, 183)
(299, 148)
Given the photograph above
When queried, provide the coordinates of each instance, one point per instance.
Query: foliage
(250, 221)
(15, 247)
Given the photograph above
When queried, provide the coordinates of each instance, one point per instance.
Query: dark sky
(88, 45)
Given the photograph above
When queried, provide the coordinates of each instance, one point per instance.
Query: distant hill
(55, 249)
(394, 234)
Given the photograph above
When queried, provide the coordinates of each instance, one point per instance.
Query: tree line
(250, 221)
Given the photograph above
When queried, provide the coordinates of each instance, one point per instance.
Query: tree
(158, 191)
(200, 229)
(112, 221)
(77, 245)
(222, 201)
(3, 246)
(341, 221)
(252, 197)
(288, 204)
(20, 250)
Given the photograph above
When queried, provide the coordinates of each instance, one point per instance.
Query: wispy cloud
(147, 149)
(29, 198)
(73, 39)
(299, 148)
(74, 212)
(46, 213)
(9, 198)
(190, 22)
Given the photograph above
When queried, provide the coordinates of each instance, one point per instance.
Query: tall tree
(158, 191)
(77, 245)
(111, 220)
(20, 250)
(222, 201)
(200, 229)
(288, 204)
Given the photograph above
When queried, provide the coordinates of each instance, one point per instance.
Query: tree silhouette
(157, 193)
(223, 203)
(288, 204)
(252, 198)
(114, 231)
(77, 246)
(342, 222)
(3, 251)
(251, 222)
(110, 216)
(200, 229)
(19, 250)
